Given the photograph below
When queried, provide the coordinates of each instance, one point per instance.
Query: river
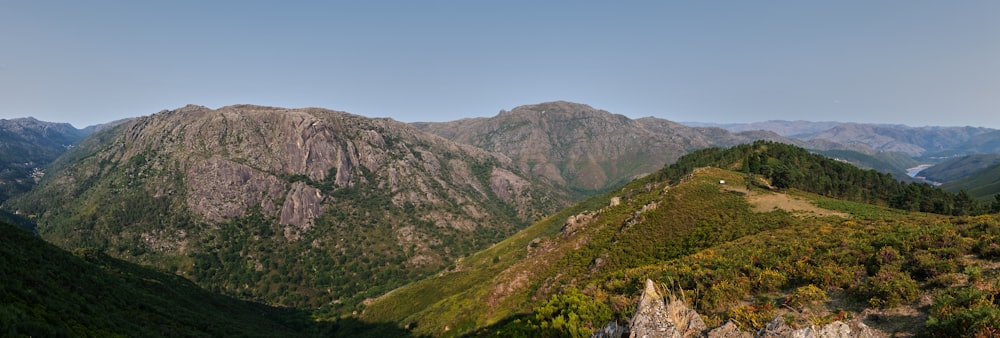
(913, 172)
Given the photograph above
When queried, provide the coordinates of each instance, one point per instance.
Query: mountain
(27, 145)
(575, 145)
(590, 150)
(293, 207)
(791, 242)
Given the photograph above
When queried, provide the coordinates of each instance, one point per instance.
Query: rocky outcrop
(219, 189)
(854, 329)
(655, 318)
(302, 204)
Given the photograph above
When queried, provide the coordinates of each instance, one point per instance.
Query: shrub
(723, 293)
(807, 295)
(769, 280)
(751, 317)
(966, 312)
(890, 288)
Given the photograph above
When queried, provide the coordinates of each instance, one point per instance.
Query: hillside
(293, 207)
(48, 292)
(575, 145)
(738, 251)
(27, 145)
(983, 184)
(960, 167)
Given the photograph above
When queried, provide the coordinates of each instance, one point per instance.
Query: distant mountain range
(920, 142)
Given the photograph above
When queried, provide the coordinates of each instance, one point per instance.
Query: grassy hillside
(48, 292)
(738, 251)
(982, 185)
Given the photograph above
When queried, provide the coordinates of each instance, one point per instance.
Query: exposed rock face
(220, 189)
(302, 204)
(855, 329)
(393, 200)
(654, 318)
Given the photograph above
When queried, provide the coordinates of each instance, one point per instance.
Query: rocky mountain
(575, 145)
(27, 145)
(586, 149)
(792, 248)
(296, 207)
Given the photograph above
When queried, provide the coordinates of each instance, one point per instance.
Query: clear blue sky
(910, 62)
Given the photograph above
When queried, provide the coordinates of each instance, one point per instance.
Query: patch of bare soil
(764, 201)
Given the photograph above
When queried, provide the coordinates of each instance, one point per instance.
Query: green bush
(890, 288)
(751, 317)
(570, 314)
(807, 295)
(966, 312)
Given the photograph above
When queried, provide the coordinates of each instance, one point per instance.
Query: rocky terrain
(655, 317)
(347, 206)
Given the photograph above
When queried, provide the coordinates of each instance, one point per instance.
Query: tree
(964, 203)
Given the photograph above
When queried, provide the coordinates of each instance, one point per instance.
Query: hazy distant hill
(913, 141)
(783, 128)
(27, 145)
(298, 207)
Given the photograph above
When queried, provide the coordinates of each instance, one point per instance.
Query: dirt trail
(764, 201)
